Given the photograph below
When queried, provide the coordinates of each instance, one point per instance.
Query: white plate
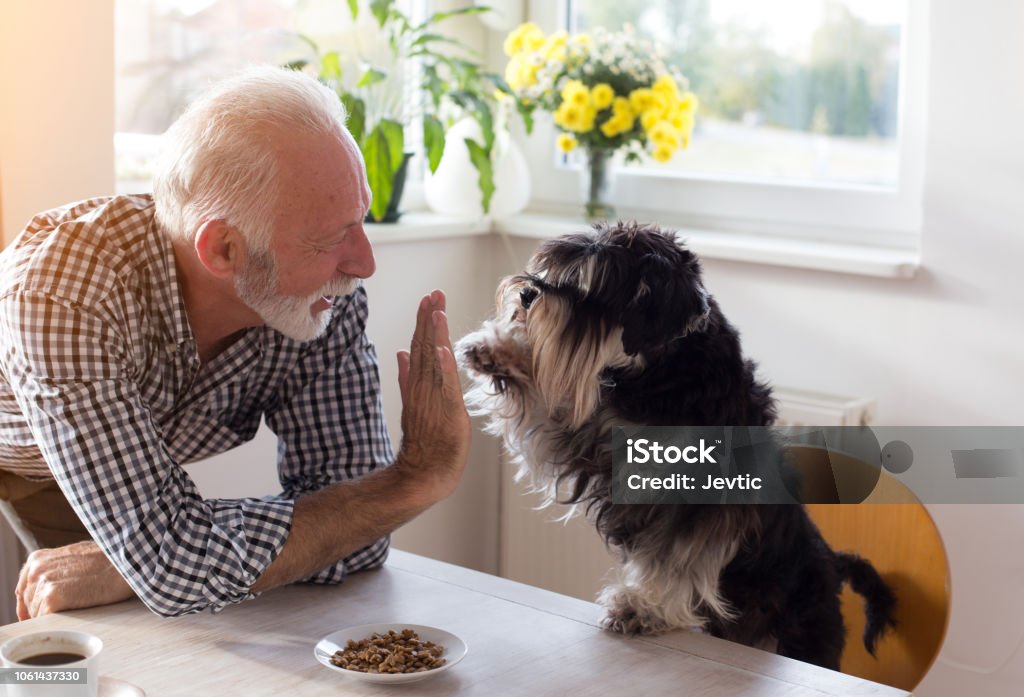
(454, 649)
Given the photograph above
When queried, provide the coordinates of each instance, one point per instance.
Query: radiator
(804, 408)
(570, 558)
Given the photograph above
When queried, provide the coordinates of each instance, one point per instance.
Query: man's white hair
(218, 161)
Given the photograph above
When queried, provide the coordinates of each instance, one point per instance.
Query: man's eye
(527, 296)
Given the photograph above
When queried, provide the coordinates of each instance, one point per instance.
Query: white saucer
(454, 650)
(112, 687)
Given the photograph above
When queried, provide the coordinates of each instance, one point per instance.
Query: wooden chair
(904, 545)
(24, 535)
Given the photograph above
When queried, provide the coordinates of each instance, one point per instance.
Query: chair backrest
(25, 536)
(904, 545)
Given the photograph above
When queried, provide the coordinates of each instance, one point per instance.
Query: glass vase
(597, 181)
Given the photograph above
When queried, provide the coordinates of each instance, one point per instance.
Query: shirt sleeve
(73, 376)
(330, 423)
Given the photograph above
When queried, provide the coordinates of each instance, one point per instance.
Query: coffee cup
(52, 664)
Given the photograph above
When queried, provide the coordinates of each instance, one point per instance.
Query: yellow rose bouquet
(606, 91)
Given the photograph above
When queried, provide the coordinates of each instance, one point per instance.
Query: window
(167, 51)
(811, 117)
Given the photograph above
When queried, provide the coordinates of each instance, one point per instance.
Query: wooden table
(522, 641)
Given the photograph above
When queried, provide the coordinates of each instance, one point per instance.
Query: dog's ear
(669, 302)
(570, 351)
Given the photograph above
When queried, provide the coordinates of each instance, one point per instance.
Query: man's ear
(220, 248)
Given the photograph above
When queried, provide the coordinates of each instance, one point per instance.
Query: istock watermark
(842, 464)
(641, 451)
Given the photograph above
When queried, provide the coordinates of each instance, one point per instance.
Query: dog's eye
(527, 296)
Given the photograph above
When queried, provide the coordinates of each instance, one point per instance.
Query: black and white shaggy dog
(614, 328)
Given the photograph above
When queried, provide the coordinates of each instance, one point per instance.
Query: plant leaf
(425, 39)
(356, 109)
(481, 159)
(421, 45)
(433, 83)
(395, 15)
(377, 157)
(395, 135)
(499, 82)
(480, 110)
(296, 65)
(312, 44)
(526, 113)
(330, 66)
(487, 124)
(465, 71)
(381, 9)
(371, 77)
(441, 16)
(467, 100)
(433, 140)
(353, 7)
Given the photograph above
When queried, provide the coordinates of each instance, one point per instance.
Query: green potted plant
(370, 87)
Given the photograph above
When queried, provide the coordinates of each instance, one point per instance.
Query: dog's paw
(475, 356)
(622, 618)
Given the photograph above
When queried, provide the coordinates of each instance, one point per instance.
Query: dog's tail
(879, 599)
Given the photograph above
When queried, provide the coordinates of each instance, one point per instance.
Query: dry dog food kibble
(393, 652)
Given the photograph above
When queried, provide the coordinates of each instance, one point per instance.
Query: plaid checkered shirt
(101, 387)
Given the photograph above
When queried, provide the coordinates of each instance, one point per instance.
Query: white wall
(56, 133)
(57, 113)
(464, 528)
(943, 348)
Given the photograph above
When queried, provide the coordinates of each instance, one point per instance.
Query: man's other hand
(435, 425)
(67, 578)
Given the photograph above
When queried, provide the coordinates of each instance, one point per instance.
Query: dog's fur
(614, 328)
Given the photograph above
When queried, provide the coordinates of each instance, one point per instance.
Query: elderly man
(139, 333)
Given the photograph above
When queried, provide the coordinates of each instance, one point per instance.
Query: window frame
(821, 212)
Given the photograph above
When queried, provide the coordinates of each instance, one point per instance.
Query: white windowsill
(420, 226)
(864, 260)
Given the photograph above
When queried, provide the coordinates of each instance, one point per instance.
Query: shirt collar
(179, 330)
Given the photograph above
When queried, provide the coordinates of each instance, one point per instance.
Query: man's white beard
(257, 287)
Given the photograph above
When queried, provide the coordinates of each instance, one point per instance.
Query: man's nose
(357, 257)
